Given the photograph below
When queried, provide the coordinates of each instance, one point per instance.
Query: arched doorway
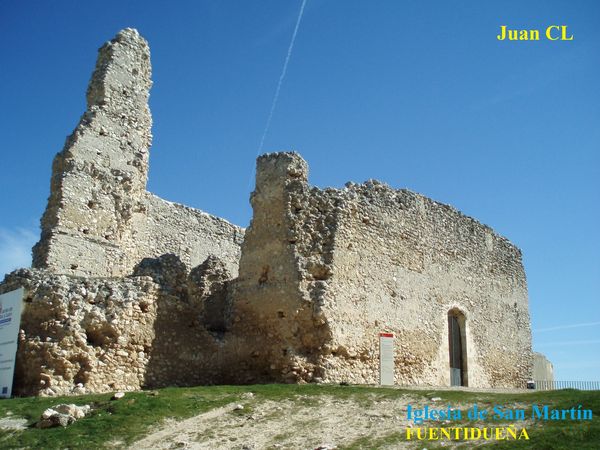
(457, 343)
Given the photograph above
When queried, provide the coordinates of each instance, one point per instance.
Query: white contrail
(587, 342)
(565, 327)
(281, 77)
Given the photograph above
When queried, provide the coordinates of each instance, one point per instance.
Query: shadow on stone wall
(190, 329)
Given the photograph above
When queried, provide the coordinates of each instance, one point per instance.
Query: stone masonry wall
(402, 263)
(99, 179)
(100, 220)
(272, 308)
(324, 271)
(542, 368)
(153, 329)
(130, 291)
(191, 234)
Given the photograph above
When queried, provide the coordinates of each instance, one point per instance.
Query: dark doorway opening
(458, 348)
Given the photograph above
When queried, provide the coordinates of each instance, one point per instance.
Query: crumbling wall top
(280, 167)
(122, 74)
(100, 220)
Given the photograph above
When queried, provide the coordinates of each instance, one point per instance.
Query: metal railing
(545, 385)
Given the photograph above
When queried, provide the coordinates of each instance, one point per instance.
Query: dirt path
(305, 423)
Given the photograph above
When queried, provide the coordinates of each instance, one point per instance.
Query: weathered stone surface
(208, 286)
(542, 368)
(324, 271)
(93, 332)
(78, 412)
(62, 415)
(100, 221)
(166, 270)
(132, 291)
(101, 335)
(99, 179)
(56, 420)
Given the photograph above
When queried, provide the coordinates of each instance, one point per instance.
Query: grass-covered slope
(289, 416)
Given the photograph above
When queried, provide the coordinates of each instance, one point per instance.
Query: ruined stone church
(129, 291)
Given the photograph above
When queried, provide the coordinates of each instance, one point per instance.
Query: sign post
(10, 320)
(386, 359)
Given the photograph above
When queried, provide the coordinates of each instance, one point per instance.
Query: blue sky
(418, 94)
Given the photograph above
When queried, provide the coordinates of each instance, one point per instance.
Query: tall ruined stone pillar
(268, 275)
(99, 178)
(267, 254)
(273, 308)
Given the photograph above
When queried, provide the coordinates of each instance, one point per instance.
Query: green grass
(124, 420)
(130, 418)
(544, 435)
(567, 434)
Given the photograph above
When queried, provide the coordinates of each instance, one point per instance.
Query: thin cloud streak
(545, 344)
(281, 77)
(578, 365)
(567, 327)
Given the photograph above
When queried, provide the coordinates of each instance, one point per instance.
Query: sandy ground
(325, 423)
(303, 423)
(13, 423)
(309, 422)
